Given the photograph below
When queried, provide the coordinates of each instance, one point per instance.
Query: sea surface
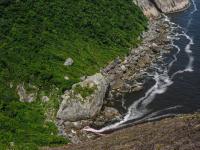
(173, 87)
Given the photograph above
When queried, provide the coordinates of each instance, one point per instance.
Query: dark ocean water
(184, 94)
(174, 87)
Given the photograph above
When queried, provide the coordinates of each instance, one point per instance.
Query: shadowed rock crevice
(156, 6)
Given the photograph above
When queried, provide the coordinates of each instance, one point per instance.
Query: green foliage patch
(35, 39)
(84, 91)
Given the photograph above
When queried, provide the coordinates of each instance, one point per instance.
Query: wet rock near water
(119, 77)
(155, 43)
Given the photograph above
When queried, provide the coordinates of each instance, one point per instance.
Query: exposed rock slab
(74, 107)
(153, 8)
(168, 6)
(148, 8)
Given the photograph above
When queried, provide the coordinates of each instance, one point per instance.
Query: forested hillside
(36, 37)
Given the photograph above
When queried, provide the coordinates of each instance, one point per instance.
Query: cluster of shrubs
(37, 37)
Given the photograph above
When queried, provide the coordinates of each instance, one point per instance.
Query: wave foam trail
(195, 7)
(162, 81)
(191, 13)
(188, 51)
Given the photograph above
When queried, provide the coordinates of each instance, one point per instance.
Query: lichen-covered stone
(75, 107)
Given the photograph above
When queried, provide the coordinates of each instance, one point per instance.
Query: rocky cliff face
(153, 8)
(168, 6)
(148, 8)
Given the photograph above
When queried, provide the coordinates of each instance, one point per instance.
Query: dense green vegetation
(35, 39)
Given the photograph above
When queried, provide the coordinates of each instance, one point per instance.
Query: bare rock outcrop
(169, 6)
(153, 8)
(148, 8)
(84, 100)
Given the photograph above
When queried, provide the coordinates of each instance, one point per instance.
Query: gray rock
(68, 125)
(83, 78)
(68, 62)
(75, 139)
(137, 88)
(66, 78)
(144, 60)
(167, 6)
(152, 8)
(45, 99)
(24, 96)
(110, 113)
(148, 8)
(123, 68)
(116, 84)
(75, 108)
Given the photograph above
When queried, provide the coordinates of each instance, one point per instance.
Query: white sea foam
(191, 13)
(162, 81)
(188, 51)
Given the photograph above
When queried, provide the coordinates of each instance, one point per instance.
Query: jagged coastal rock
(169, 6)
(153, 8)
(84, 100)
(148, 8)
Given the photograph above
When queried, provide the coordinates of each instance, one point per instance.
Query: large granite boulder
(84, 100)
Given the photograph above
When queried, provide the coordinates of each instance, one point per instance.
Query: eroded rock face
(75, 107)
(153, 8)
(148, 8)
(167, 6)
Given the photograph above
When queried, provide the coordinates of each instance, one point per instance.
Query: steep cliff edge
(148, 8)
(168, 6)
(153, 8)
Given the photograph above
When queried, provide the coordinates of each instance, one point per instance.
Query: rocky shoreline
(119, 77)
(122, 76)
